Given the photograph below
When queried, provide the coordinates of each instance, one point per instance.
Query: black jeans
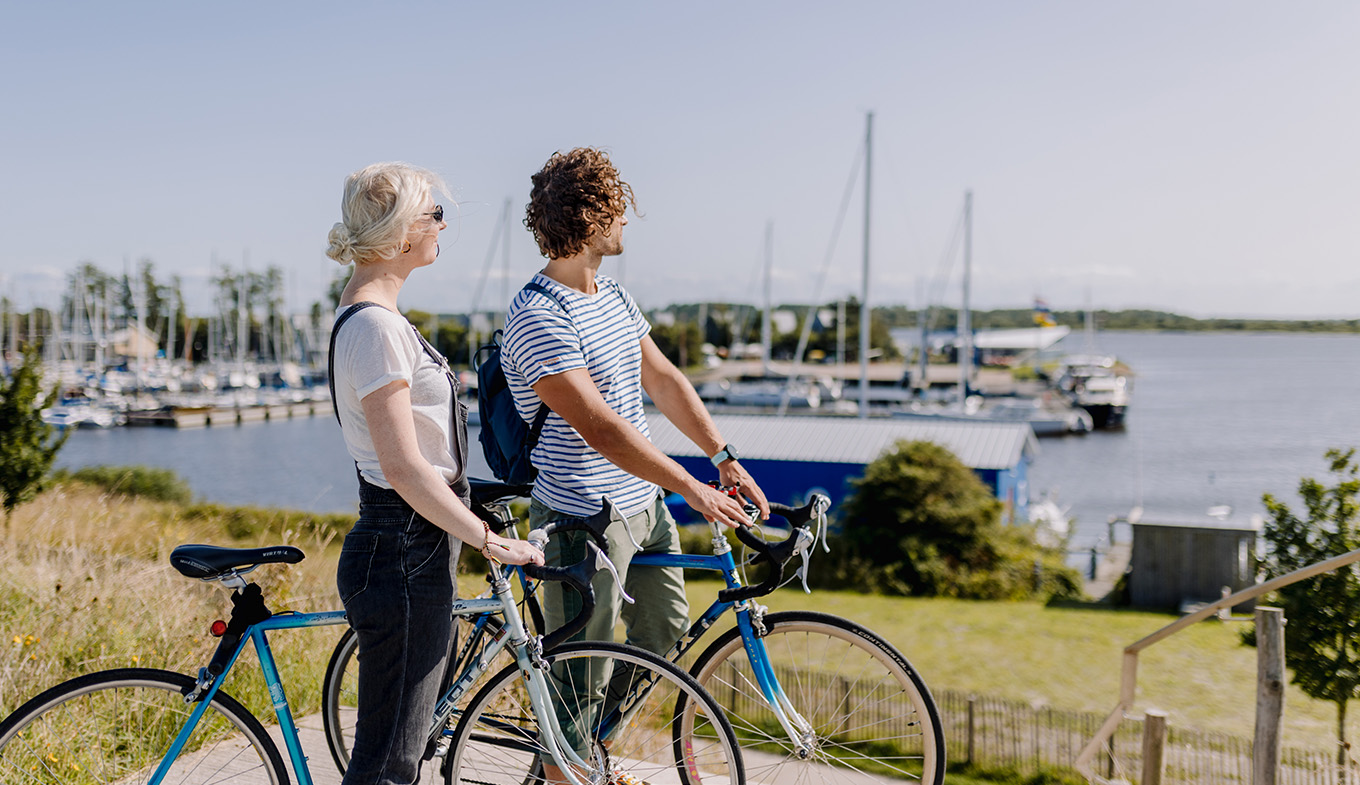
(397, 580)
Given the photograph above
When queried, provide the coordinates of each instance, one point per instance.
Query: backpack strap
(543, 411)
(330, 356)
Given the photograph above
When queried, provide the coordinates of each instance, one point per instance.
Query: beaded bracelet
(486, 543)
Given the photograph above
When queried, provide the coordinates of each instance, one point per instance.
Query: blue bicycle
(811, 696)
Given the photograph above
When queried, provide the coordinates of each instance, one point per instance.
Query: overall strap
(330, 355)
(459, 431)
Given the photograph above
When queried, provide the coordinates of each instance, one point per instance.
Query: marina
(1209, 429)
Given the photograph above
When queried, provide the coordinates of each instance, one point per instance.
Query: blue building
(792, 457)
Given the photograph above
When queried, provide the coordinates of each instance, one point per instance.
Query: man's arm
(574, 397)
(675, 397)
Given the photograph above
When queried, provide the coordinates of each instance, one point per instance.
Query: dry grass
(86, 585)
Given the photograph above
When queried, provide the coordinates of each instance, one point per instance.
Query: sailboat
(1048, 417)
(767, 390)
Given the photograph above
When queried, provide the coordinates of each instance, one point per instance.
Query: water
(299, 464)
(1215, 419)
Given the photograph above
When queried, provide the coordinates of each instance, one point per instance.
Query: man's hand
(715, 505)
(732, 473)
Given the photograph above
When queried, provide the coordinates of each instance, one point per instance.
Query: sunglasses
(437, 213)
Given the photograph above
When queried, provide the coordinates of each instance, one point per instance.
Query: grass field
(85, 584)
(1069, 657)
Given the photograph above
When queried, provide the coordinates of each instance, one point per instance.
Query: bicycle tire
(870, 710)
(340, 688)
(497, 737)
(116, 725)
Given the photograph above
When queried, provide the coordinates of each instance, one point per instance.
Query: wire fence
(993, 732)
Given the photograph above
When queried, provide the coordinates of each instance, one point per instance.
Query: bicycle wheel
(340, 690)
(626, 728)
(117, 725)
(867, 709)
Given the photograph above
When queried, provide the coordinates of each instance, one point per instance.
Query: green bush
(921, 523)
(134, 481)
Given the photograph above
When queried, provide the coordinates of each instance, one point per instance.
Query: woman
(407, 433)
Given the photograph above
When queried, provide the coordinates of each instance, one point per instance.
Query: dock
(992, 381)
(204, 416)
(1110, 565)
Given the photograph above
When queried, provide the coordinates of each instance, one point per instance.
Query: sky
(1193, 156)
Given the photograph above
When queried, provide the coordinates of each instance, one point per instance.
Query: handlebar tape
(776, 555)
(578, 577)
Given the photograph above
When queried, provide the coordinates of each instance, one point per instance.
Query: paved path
(319, 760)
(324, 772)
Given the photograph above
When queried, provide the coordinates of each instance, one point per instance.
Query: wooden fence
(993, 732)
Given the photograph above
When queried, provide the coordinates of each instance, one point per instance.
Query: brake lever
(602, 562)
(820, 504)
(806, 540)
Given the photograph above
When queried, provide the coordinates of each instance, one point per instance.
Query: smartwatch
(728, 452)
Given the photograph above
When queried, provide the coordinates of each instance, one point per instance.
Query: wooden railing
(1128, 681)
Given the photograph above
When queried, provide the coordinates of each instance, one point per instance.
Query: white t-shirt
(374, 348)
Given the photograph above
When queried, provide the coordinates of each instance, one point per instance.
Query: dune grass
(86, 584)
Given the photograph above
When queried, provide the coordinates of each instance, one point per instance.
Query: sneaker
(624, 778)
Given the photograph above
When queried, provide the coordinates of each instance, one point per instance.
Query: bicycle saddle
(487, 491)
(211, 561)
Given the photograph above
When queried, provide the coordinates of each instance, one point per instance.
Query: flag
(1042, 316)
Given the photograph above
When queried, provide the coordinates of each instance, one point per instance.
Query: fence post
(1154, 745)
(1265, 748)
(972, 726)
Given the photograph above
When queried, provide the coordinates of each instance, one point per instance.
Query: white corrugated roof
(851, 440)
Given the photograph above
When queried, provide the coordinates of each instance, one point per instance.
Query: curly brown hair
(575, 194)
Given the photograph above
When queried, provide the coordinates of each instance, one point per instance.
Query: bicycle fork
(799, 730)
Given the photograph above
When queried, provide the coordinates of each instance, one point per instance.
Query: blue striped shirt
(601, 333)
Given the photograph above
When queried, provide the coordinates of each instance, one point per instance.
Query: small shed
(792, 457)
(1188, 560)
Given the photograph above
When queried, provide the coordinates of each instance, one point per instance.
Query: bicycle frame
(512, 633)
(258, 634)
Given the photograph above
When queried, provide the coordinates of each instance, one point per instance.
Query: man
(583, 349)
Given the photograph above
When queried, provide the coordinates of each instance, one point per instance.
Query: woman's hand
(508, 551)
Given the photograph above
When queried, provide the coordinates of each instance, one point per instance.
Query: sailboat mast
(766, 330)
(965, 340)
(864, 284)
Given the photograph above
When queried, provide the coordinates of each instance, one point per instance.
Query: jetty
(203, 416)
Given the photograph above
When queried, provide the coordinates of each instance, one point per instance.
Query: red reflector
(218, 628)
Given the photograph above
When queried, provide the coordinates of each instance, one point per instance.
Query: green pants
(656, 620)
(660, 614)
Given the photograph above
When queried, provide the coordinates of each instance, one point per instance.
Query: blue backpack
(507, 440)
